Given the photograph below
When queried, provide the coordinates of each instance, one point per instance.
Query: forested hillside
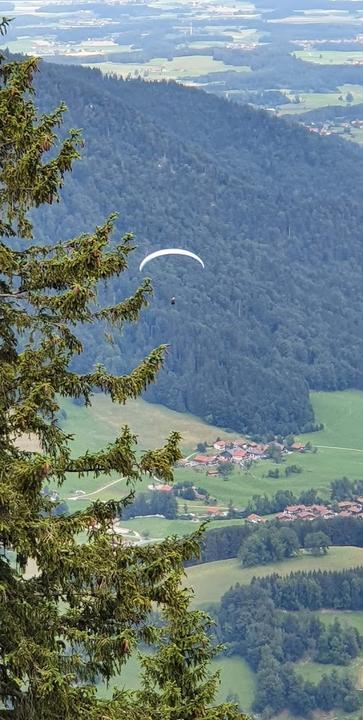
(275, 212)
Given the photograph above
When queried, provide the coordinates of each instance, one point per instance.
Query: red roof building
(239, 454)
(219, 445)
(253, 518)
(204, 459)
(214, 511)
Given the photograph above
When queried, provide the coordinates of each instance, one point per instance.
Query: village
(345, 508)
(240, 452)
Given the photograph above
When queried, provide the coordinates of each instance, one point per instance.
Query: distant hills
(275, 212)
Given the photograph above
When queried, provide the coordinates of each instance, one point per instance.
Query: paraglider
(170, 251)
(172, 301)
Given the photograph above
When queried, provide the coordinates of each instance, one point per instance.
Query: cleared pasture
(211, 580)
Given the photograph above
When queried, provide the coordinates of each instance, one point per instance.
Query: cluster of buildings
(305, 512)
(346, 508)
(336, 126)
(310, 44)
(351, 508)
(237, 451)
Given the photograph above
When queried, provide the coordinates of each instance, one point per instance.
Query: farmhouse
(219, 445)
(257, 451)
(205, 459)
(253, 518)
(225, 456)
(298, 447)
(162, 488)
(348, 506)
(238, 455)
(214, 512)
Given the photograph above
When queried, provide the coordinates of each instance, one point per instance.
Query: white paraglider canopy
(170, 251)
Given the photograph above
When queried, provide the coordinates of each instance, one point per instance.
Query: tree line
(153, 503)
(272, 543)
(225, 542)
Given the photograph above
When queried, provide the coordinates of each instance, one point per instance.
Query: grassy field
(322, 17)
(312, 101)
(342, 415)
(330, 57)
(96, 426)
(345, 617)
(210, 581)
(235, 675)
(176, 69)
(151, 423)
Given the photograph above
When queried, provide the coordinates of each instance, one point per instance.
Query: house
(350, 506)
(356, 510)
(225, 456)
(256, 451)
(238, 455)
(295, 508)
(214, 512)
(306, 515)
(285, 516)
(212, 473)
(298, 447)
(253, 518)
(164, 488)
(319, 510)
(219, 445)
(204, 459)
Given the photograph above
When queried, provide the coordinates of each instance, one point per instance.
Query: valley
(288, 59)
(261, 376)
(339, 453)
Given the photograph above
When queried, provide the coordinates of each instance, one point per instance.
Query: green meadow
(330, 57)
(177, 69)
(345, 617)
(314, 100)
(211, 580)
(235, 677)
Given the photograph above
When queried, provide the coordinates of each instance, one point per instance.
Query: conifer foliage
(79, 616)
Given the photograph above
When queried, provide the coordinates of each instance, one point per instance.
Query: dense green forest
(276, 214)
(251, 624)
(226, 542)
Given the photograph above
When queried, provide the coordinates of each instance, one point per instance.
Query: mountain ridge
(264, 202)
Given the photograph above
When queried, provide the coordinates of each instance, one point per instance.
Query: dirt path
(333, 447)
(95, 492)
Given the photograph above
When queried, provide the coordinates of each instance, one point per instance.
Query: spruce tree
(78, 618)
